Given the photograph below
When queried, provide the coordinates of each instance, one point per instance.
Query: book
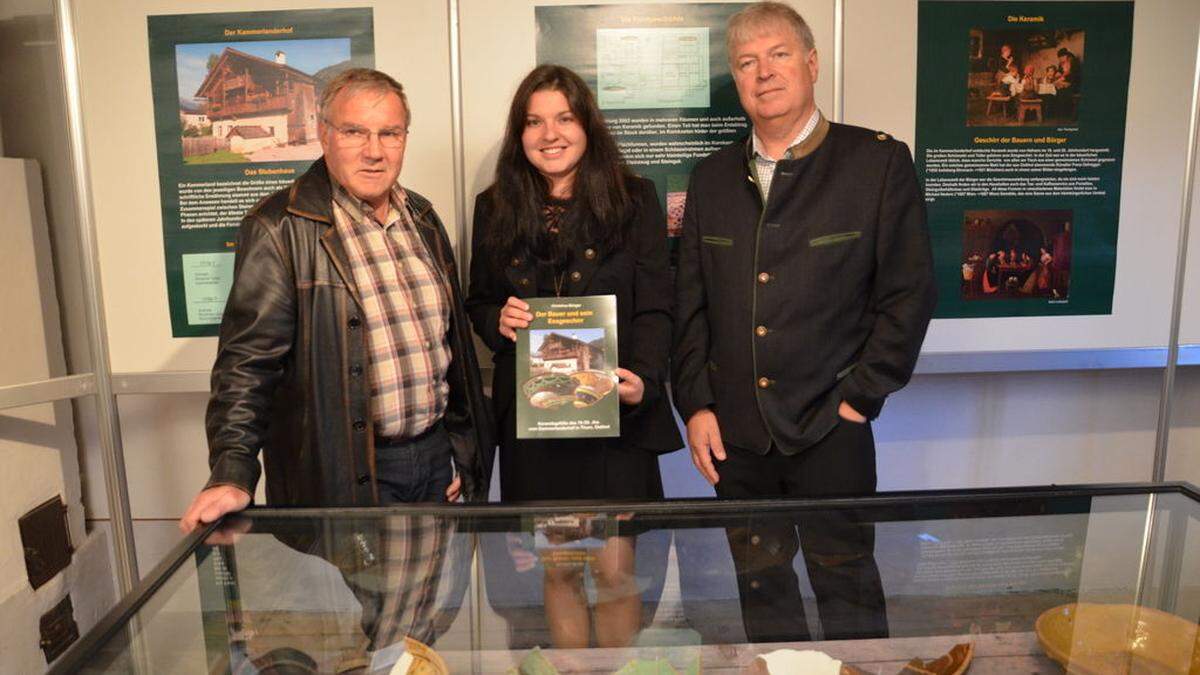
(566, 363)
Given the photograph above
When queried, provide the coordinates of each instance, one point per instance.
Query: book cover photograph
(566, 384)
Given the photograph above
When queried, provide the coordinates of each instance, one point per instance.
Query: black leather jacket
(291, 374)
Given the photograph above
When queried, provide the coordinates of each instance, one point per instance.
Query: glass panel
(1183, 441)
(702, 587)
(40, 263)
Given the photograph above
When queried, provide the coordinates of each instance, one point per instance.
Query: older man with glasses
(345, 353)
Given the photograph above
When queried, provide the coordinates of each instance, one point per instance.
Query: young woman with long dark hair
(566, 217)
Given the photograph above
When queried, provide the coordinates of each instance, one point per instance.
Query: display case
(1105, 578)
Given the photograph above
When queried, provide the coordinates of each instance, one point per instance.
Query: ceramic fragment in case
(1098, 639)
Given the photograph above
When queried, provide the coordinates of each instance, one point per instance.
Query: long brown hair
(520, 191)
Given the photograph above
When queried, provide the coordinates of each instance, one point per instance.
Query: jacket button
(354, 322)
(360, 424)
(515, 262)
(356, 370)
(364, 479)
(763, 277)
(761, 331)
(576, 275)
(590, 253)
(764, 382)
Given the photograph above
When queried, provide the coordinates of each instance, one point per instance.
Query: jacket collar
(311, 195)
(802, 149)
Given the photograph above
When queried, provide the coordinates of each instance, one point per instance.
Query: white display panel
(412, 44)
(508, 28)
(880, 92)
(1189, 325)
(498, 48)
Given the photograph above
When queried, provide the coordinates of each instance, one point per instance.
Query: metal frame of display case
(106, 385)
(125, 611)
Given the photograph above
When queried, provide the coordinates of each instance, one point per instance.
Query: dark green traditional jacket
(821, 294)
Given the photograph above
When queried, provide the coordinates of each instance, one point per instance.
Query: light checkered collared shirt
(406, 313)
(764, 166)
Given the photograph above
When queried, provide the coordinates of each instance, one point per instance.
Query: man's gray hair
(761, 16)
(355, 80)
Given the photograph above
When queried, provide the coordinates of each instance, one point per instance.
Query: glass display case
(1105, 578)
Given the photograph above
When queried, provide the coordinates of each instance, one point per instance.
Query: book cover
(566, 384)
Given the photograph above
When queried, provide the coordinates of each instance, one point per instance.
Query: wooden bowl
(1095, 639)
(425, 660)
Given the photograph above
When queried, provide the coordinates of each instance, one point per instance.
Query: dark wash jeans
(414, 470)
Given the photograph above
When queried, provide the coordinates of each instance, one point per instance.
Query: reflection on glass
(1029, 582)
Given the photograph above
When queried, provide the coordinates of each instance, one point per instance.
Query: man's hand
(211, 504)
(513, 315)
(704, 437)
(849, 413)
(631, 388)
(229, 532)
(454, 490)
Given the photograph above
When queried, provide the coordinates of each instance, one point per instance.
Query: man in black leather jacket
(345, 352)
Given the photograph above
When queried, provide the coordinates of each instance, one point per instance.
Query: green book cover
(566, 384)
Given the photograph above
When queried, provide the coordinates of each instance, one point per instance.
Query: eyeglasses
(352, 136)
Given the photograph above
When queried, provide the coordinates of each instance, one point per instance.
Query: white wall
(881, 94)
(33, 108)
(964, 430)
(37, 442)
(40, 438)
(1183, 460)
(112, 38)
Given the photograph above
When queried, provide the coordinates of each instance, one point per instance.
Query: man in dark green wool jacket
(804, 289)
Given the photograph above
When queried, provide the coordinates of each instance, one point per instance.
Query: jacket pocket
(716, 241)
(831, 239)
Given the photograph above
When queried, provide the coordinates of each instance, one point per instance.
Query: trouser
(407, 471)
(416, 469)
(839, 549)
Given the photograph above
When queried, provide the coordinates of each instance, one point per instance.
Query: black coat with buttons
(820, 295)
(638, 274)
(290, 375)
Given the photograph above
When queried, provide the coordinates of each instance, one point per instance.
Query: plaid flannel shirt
(406, 313)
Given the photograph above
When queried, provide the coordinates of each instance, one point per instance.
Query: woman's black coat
(637, 274)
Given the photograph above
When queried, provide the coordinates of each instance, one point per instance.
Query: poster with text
(662, 80)
(236, 100)
(1020, 155)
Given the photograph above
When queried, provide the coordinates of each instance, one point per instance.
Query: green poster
(236, 101)
(1019, 157)
(662, 79)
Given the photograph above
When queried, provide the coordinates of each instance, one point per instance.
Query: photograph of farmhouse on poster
(566, 361)
(254, 101)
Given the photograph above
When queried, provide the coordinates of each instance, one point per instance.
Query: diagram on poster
(236, 111)
(1019, 157)
(660, 74)
(652, 67)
